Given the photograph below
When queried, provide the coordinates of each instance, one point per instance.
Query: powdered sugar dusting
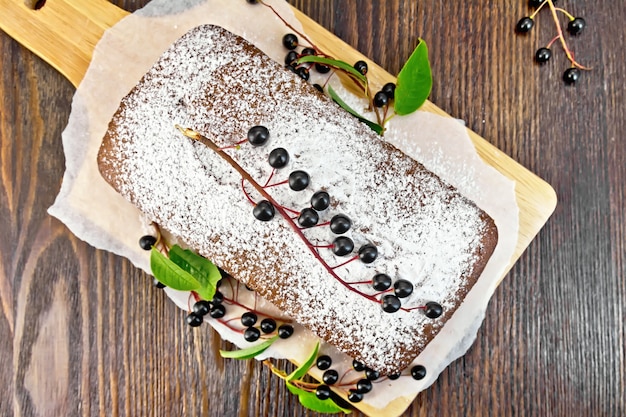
(220, 86)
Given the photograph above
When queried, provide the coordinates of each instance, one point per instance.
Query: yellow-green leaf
(248, 353)
(170, 274)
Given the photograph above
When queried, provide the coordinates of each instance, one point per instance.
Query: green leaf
(170, 274)
(375, 127)
(248, 353)
(415, 81)
(199, 267)
(335, 63)
(302, 370)
(309, 400)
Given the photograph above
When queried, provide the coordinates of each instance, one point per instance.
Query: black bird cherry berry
(330, 377)
(194, 320)
(361, 66)
(158, 283)
(433, 310)
(358, 366)
(380, 99)
(342, 246)
(285, 331)
(368, 253)
(264, 211)
(321, 68)
(390, 90)
(571, 75)
(290, 41)
(364, 386)
(308, 218)
(299, 180)
(303, 73)
(418, 372)
(576, 26)
(543, 55)
(268, 325)
(390, 303)
(524, 25)
(252, 1)
(202, 307)
(278, 158)
(248, 319)
(320, 200)
(371, 374)
(218, 297)
(251, 334)
(381, 282)
(258, 135)
(147, 242)
(340, 224)
(323, 392)
(393, 377)
(403, 288)
(324, 362)
(217, 311)
(355, 396)
(291, 58)
(308, 52)
(535, 3)
(318, 88)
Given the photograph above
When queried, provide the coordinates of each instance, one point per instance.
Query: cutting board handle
(63, 33)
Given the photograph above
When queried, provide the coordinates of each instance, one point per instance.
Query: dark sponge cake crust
(219, 85)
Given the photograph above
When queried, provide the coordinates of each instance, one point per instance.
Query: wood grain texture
(73, 333)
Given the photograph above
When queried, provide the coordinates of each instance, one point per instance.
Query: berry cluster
(575, 27)
(339, 224)
(356, 382)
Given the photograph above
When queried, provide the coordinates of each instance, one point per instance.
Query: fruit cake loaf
(339, 229)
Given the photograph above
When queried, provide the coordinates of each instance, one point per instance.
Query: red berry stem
(354, 258)
(193, 135)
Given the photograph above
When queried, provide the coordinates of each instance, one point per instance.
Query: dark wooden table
(83, 333)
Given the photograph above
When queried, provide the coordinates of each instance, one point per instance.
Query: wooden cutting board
(64, 33)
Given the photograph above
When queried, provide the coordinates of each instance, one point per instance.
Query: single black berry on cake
(258, 135)
(342, 246)
(403, 288)
(147, 242)
(320, 200)
(308, 217)
(381, 282)
(368, 253)
(390, 303)
(340, 224)
(433, 310)
(278, 158)
(303, 73)
(264, 211)
(299, 180)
